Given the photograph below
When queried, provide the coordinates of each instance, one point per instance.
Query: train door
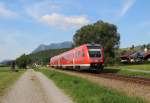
(73, 59)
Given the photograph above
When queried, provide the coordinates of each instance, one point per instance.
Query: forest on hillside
(43, 57)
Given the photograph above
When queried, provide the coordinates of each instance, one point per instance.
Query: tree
(43, 57)
(132, 48)
(148, 46)
(102, 33)
(23, 61)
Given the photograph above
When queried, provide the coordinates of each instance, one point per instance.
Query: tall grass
(7, 78)
(84, 91)
(126, 72)
(137, 67)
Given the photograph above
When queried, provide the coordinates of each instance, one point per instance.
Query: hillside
(44, 56)
(43, 47)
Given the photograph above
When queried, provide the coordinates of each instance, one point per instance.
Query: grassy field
(136, 67)
(84, 91)
(130, 70)
(126, 72)
(7, 78)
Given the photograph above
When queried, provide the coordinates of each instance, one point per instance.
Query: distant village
(136, 55)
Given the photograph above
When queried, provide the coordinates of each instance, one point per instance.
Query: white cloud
(46, 12)
(56, 19)
(39, 8)
(125, 8)
(5, 12)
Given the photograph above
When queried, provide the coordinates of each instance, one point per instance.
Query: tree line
(40, 58)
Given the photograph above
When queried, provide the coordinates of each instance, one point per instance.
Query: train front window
(94, 53)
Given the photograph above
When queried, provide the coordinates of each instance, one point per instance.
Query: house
(147, 55)
(135, 57)
(125, 57)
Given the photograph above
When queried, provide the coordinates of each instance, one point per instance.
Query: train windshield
(94, 53)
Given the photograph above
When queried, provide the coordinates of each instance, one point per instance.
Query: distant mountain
(6, 62)
(42, 47)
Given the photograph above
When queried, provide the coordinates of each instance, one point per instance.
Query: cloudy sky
(24, 24)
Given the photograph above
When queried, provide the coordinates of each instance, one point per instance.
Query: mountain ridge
(43, 47)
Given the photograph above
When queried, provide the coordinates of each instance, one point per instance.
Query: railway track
(133, 79)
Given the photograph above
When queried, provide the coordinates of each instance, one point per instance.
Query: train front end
(96, 56)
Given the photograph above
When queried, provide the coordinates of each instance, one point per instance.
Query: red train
(84, 57)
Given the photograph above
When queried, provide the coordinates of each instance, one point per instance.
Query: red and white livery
(87, 56)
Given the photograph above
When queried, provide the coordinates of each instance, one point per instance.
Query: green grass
(136, 67)
(135, 73)
(84, 91)
(126, 72)
(7, 78)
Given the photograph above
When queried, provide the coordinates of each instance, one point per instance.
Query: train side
(87, 56)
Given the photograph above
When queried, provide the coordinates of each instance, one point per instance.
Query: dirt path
(136, 70)
(34, 87)
(132, 89)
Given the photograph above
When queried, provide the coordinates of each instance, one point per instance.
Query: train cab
(96, 56)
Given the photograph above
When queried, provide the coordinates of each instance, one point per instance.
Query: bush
(23, 61)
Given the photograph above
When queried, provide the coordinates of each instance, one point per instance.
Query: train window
(94, 53)
(78, 53)
(82, 52)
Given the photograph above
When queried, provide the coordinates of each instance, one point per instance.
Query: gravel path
(136, 70)
(34, 87)
(132, 89)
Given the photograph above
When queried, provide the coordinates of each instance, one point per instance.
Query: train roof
(92, 44)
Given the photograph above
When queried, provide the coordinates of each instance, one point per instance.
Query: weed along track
(134, 79)
(132, 86)
(85, 88)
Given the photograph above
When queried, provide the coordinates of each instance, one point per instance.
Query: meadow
(145, 67)
(141, 70)
(84, 91)
(7, 78)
